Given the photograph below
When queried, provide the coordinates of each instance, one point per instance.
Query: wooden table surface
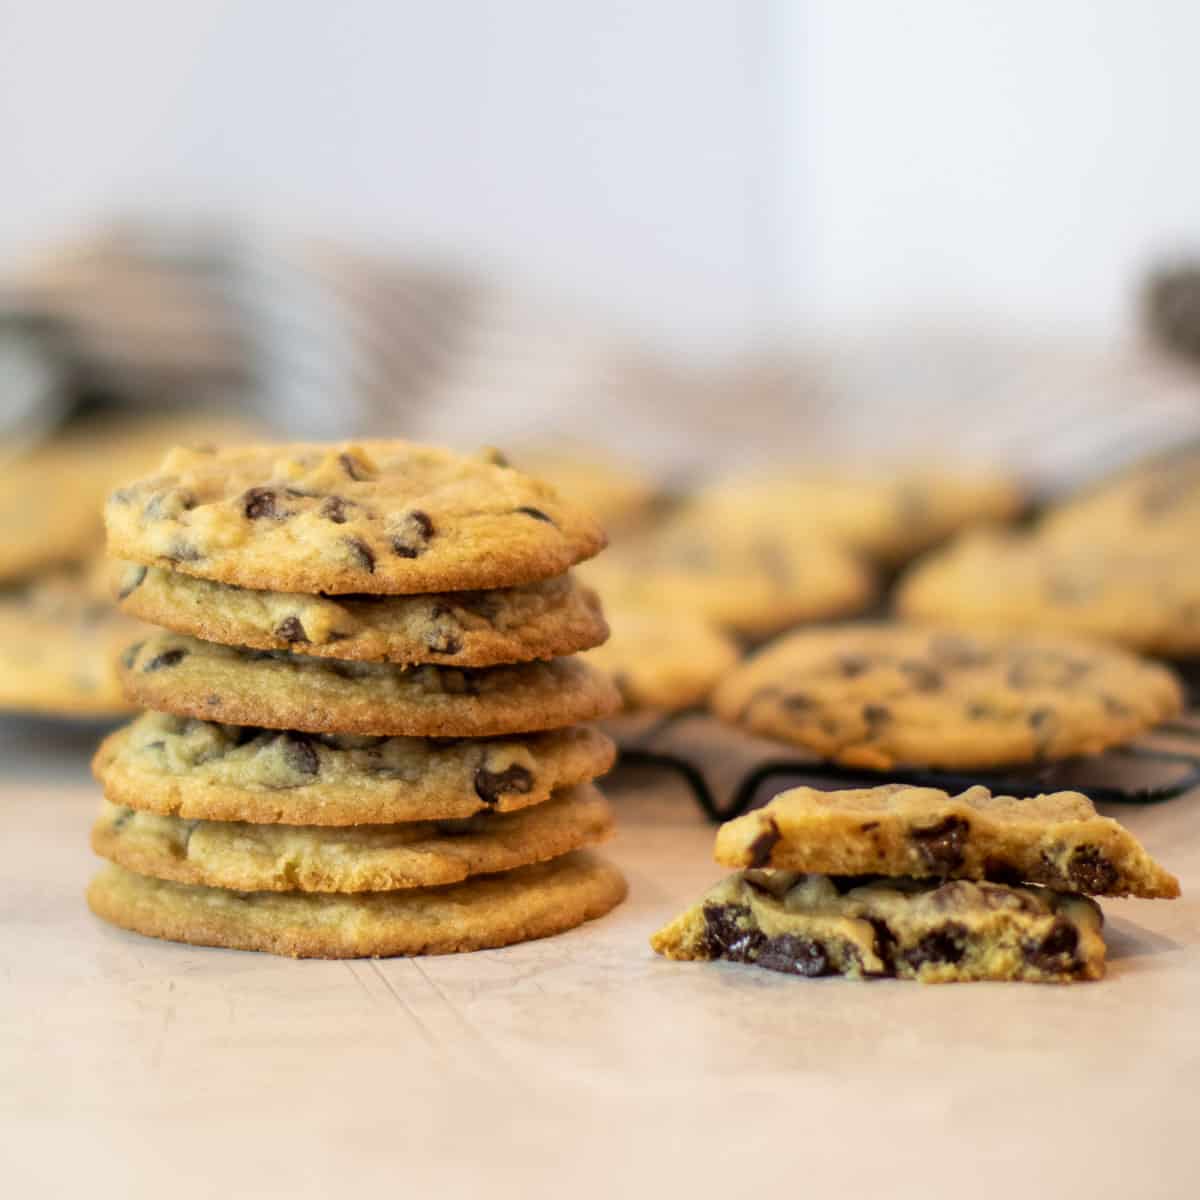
(582, 1065)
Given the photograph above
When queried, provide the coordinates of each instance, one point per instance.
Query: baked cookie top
(663, 661)
(1136, 596)
(881, 695)
(930, 931)
(388, 517)
(750, 579)
(484, 911)
(467, 629)
(275, 689)
(356, 858)
(179, 766)
(1058, 840)
(888, 512)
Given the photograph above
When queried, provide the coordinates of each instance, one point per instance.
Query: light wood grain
(581, 1066)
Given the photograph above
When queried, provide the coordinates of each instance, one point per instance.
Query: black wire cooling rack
(728, 771)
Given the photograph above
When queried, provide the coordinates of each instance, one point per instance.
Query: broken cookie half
(914, 884)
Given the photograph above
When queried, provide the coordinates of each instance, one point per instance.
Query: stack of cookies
(917, 884)
(364, 736)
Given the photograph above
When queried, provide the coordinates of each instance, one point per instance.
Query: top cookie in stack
(375, 595)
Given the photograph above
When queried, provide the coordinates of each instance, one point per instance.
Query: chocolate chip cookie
(463, 629)
(930, 931)
(663, 661)
(482, 912)
(885, 511)
(356, 858)
(386, 517)
(182, 767)
(60, 649)
(1058, 840)
(280, 690)
(1132, 594)
(881, 695)
(747, 578)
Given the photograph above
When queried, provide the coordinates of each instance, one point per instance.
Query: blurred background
(477, 221)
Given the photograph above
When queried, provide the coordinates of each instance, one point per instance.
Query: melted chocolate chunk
(291, 630)
(536, 514)
(853, 665)
(1056, 951)
(131, 583)
(363, 554)
(793, 955)
(491, 785)
(885, 945)
(259, 502)
(941, 846)
(1089, 871)
(412, 539)
(945, 945)
(724, 935)
(333, 508)
(300, 754)
(168, 658)
(761, 847)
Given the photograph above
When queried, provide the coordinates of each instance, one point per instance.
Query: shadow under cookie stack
(364, 735)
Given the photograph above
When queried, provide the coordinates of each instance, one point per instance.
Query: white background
(713, 172)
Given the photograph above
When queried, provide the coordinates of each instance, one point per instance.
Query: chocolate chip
(761, 847)
(181, 551)
(291, 630)
(941, 846)
(123, 817)
(362, 553)
(490, 454)
(979, 710)
(793, 955)
(922, 676)
(441, 641)
(1089, 871)
(853, 665)
(797, 702)
(1050, 671)
(412, 538)
(300, 754)
(954, 650)
(131, 581)
(725, 936)
(1056, 951)
(876, 715)
(168, 658)
(1115, 708)
(333, 508)
(491, 785)
(353, 467)
(536, 514)
(944, 945)
(1043, 722)
(258, 503)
